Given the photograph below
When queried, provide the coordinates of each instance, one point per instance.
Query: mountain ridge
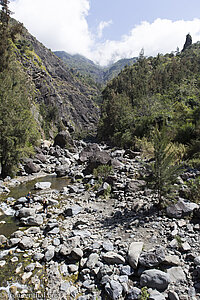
(86, 67)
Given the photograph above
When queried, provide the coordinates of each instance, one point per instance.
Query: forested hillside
(81, 66)
(156, 90)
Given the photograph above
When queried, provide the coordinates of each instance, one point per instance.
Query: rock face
(65, 97)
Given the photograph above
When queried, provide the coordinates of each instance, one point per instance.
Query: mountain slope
(61, 99)
(156, 90)
(89, 69)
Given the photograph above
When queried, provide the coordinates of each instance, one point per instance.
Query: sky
(108, 30)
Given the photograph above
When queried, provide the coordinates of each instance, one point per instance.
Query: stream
(8, 223)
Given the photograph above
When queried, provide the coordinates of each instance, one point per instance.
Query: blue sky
(127, 13)
(108, 30)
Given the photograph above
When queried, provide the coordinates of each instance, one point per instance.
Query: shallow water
(9, 224)
(22, 190)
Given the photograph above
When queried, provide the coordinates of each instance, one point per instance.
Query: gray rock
(155, 279)
(30, 267)
(155, 295)
(134, 252)
(3, 240)
(26, 243)
(173, 295)
(64, 286)
(72, 211)
(126, 270)
(92, 260)
(152, 258)
(38, 256)
(135, 185)
(108, 246)
(35, 220)
(49, 254)
(13, 241)
(133, 294)
(30, 167)
(77, 253)
(73, 268)
(197, 261)
(114, 289)
(181, 208)
(87, 152)
(113, 258)
(42, 185)
(25, 212)
(62, 170)
(176, 274)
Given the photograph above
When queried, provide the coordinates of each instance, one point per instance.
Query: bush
(193, 190)
(102, 172)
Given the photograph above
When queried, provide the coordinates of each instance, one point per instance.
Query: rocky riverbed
(98, 239)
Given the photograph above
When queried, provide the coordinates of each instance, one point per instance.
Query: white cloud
(62, 25)
(161, 36)
(102, 26)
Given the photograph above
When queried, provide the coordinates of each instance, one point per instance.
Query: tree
(18, 131)
(4, 34)
(17, 127)
(165, 169)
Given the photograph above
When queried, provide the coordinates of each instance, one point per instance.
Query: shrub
(193, 190)
(102, 172)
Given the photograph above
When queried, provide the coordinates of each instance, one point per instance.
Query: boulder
(49, 254)
(155, 279)
(181, 208)
(87, 152)
(30, 167)
(113, 258)
(92, 260)
(97, 159)
(114, 289)
(134, 252)
(176, 274)
(3, 240)
(63, 139)
(42, 185)
(35, 220)
(25, 212)
(152, 258)
(135, 186)
(62, 170)
(77, 253)
(133, 294)
(72, 211)
(26, 243)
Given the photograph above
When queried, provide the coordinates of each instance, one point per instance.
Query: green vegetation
(165, 169)
(102, 172)
(193, 190)
(155, 90)
(92, 73)
(18, 131)
(144, 294)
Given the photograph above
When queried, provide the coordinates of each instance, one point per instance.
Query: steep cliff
(61, 99)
